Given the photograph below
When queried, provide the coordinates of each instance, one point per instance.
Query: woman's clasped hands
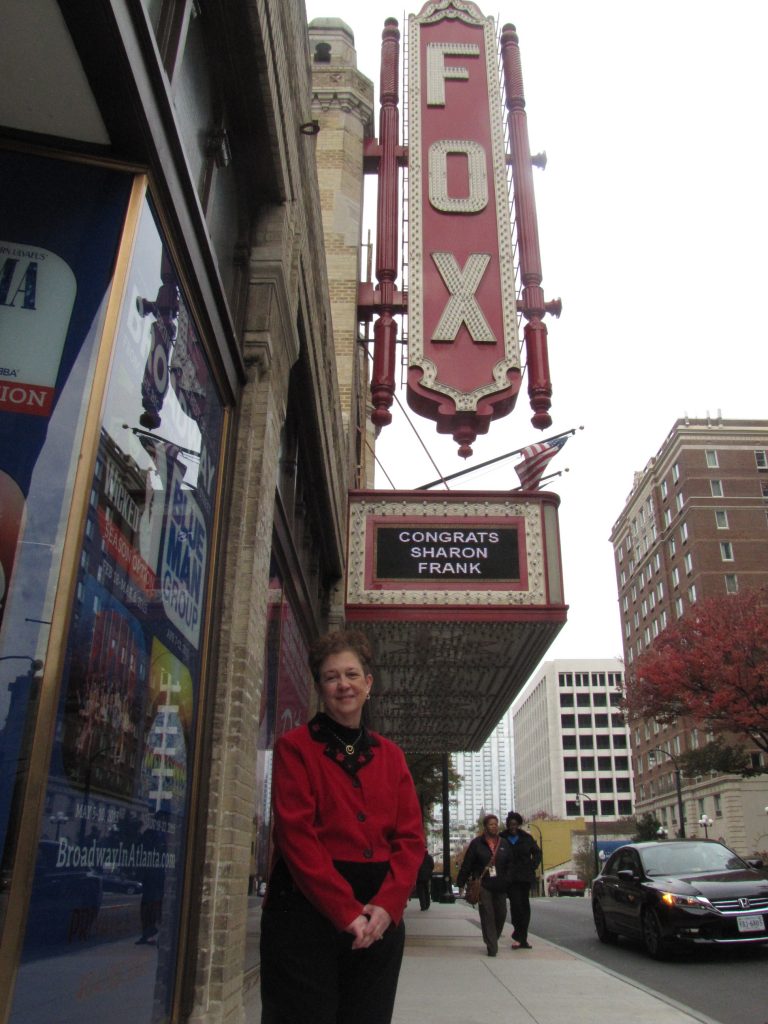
(369, 926)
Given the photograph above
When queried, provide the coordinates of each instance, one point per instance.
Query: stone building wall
(342, 104)
(290, 306)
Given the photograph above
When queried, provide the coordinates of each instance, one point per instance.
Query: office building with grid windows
(571, 742)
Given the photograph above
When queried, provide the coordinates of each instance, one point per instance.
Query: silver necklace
(349, 747)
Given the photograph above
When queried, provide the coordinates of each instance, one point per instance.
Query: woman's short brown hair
(334, 643)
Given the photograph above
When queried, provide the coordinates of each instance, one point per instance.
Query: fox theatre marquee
(461, 594)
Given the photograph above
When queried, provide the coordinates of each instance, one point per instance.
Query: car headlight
(675, 899)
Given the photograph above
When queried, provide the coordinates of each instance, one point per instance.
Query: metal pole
(447, 896)
(678, 787)
(593, 801)
(680, 808)
(541, 847)
(490, 462)
(594, 837)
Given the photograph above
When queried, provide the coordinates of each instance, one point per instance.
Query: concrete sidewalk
(448, 979)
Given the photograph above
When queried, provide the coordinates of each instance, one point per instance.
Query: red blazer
(322, 814)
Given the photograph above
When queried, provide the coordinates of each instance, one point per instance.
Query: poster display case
(107, 884)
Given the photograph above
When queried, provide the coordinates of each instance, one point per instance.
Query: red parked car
(565, 883)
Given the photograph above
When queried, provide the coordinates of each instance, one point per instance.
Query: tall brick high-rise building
(694, 525)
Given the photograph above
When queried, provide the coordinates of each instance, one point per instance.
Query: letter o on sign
(438, 176)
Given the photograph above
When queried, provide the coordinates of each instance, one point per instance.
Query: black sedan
(114, 882)
(680, 892)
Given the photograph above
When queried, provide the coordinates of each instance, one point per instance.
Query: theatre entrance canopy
(461, 595)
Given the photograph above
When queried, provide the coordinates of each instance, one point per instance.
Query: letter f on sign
(462, 306)
(438, 71)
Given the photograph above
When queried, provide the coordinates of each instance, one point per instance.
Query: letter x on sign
(462, 306)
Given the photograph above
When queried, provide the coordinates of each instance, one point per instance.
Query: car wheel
(653, 940)
(604, 933)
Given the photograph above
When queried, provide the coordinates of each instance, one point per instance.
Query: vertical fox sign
(463, 348)
(464, 366)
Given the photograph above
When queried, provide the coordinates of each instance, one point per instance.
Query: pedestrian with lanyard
(487, 858)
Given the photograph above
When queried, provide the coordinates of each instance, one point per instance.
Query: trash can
(437, 885)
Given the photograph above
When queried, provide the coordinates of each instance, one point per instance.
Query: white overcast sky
(653, 226)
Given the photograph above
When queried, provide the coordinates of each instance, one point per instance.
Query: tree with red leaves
(710, 666)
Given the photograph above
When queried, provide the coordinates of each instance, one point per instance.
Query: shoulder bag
(472, 890)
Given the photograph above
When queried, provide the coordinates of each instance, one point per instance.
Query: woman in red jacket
(348, 844)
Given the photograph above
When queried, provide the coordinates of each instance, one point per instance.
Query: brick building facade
(166, 150)
(695, 525)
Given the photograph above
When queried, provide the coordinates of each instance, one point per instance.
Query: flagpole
(550, 476)
(490, 462)
(161, 440)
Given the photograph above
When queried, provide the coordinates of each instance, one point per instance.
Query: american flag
(535, 460)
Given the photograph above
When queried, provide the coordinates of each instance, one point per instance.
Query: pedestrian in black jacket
(423, 880)
(525, 857)
(487, 857)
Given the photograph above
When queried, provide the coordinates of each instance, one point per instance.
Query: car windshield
(689, 858)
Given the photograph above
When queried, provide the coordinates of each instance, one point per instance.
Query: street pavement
(448, 978)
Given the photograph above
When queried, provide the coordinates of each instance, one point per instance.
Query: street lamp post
(593, 801)
(706, 823)
(678, 787)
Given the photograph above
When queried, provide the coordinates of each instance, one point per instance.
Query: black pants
(311, 975)
(422, 890)
(520, 909)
